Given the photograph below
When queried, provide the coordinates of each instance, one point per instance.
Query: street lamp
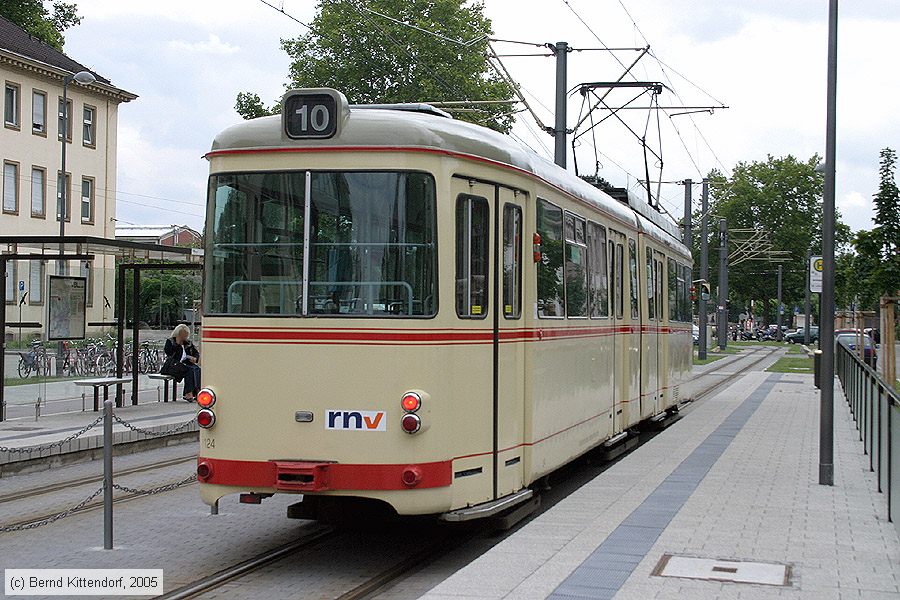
(83, 78)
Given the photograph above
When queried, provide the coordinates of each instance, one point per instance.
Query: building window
(10, 187)
(512, 261)
(87, 200)
(61, 116)
(67, 186)
(11, 105)
(472, 251)
(38, 192)
(36, 282)
(87, 136)
(11, 282)
(87, 273)
(550, 287)
(39, 112)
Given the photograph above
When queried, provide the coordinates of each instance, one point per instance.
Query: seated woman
(181, 361)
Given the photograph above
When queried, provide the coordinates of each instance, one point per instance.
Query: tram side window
(679, 292)
(598, 280)
(632, 267)
(674, 304)
(688, 315)
(619, 277)
(651, 284)
(471, 256)
(576, 267)
(512, 261)
(550, 291)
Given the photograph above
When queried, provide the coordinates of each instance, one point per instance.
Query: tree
(783, 197)
(34, 17)
(885, 278)
(387, 58)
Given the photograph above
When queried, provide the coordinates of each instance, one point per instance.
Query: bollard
(107, 475)
(37, 409)
(82, 401)
(214, 509)
(817, 368)
(157, 394)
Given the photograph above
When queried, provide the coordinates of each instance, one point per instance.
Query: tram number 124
(310, 116)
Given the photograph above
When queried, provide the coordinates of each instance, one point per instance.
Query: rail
(875, 407)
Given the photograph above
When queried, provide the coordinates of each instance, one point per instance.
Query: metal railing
(875, 407)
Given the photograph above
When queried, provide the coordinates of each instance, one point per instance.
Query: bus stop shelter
(129, 256)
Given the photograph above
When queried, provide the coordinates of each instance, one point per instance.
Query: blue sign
(21, 286)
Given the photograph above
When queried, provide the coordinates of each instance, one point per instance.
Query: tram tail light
(206, 418)
(206, 398)
(536, 240)
(411, 402)
(411, 423)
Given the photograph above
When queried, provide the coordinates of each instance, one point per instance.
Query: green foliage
(36, 19)
(164, 296)
(886, 275)
(783, 197)
(372, 59)
(250, 106)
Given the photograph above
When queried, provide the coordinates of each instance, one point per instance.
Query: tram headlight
(206, 398)
(206, 418)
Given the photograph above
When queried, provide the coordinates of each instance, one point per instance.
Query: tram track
(726, 378)
(62, 485)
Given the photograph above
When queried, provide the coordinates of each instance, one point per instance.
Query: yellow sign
(817, 265)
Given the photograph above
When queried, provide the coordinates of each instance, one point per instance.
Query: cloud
(213, 45)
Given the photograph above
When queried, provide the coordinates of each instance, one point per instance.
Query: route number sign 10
(310, 116)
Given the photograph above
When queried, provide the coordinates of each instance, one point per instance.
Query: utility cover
(711, 569)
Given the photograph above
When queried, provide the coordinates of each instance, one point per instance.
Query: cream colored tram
(414, 312)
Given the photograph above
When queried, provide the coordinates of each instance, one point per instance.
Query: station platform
(28, 444)
(724, 504)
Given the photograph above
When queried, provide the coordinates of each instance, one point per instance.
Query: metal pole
(120, 334)
(61, 265)
(704, 266)
(135, 333)
(3, 264)
(780, 308)
(107, 475)
(688, 184)
(722, 318)
(826, 325)
(807, 306)
(561, 50)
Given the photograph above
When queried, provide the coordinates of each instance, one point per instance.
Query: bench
(102, 382)
(166, 379)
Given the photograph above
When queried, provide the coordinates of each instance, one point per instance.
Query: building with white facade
(32, 74)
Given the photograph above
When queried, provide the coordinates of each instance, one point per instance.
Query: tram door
(510, 362)
(621, 379)
(489, 238)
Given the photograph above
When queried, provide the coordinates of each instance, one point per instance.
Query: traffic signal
(704, 291)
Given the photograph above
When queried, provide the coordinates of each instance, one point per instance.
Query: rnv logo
(356, 420)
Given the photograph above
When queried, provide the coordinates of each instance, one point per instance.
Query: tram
(410, 312)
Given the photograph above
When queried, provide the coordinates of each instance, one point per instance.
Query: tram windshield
(370, 239)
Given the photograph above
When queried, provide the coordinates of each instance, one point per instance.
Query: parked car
(695, 333)
(797, 337)
(850, 340)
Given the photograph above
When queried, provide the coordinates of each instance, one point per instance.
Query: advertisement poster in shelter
(66, 308)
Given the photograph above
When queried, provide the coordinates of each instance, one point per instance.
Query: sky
(765, 60)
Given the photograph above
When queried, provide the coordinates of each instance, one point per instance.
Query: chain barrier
(51, 519)
(150, 433)
(60, 443)
(156, 490)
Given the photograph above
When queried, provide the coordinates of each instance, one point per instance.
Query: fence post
(107, 475)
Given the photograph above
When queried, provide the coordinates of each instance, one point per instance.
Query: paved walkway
(735, 480)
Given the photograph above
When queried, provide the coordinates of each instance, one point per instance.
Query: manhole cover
(711, 569)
